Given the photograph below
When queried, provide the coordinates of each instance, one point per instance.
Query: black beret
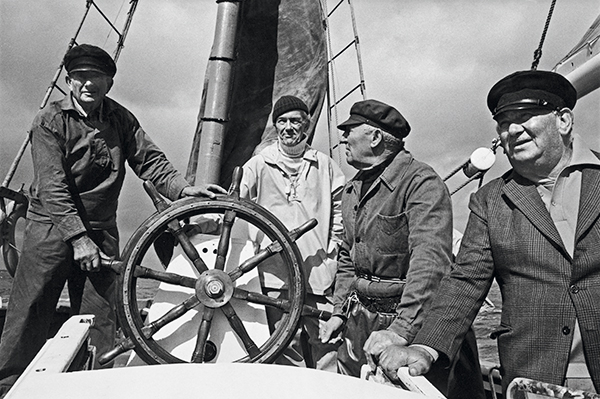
(378, 114)
(286, 104)
(531, 89)
(87, 57)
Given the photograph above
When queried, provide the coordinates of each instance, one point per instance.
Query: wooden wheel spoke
(146, 272)
(175, 228)
(270, 250)
(176, 312)
(255, 260)
(237, 326)
(281, 304)
(165, 277)
(228, 219)
(188, 248)
(203, 330)
(261, 299)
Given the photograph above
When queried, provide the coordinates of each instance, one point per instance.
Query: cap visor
(520, 107)
(88, 68)
(353, 120)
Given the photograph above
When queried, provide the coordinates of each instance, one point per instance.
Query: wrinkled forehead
(293, 114)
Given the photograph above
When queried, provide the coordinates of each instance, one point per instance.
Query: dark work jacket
(401, 228)
(79, 165)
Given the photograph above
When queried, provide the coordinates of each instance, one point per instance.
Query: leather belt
(377, 279)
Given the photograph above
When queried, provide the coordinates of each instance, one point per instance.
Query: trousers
(45, 265)
(306, 349)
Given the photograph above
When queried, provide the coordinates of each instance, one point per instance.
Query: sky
(434, 60)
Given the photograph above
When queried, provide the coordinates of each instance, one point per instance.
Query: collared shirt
(312, 190)
(79, 165)
(562, 201)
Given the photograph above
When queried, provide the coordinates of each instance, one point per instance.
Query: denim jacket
(401, 228)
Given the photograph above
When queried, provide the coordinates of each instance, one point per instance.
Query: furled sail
(582, 64)
(280, 50)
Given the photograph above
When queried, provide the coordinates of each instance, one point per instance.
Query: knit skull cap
(379, 115)
(531, 89)
(86, 57)
(286, 104)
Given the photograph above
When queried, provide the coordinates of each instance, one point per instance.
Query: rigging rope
(537, 54)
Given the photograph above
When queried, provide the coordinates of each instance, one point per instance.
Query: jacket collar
(523, 193)
(106, 108)
(393, 172)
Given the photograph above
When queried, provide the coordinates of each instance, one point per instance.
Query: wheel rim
(140, 243)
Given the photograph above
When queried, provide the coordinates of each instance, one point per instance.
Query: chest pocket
(94, 166)
(391, 234)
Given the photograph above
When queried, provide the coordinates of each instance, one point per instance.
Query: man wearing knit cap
(535, 230)
(397, 246)
(297, 183)
(79, 148)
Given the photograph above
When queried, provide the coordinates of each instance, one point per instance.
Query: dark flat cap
(87, 57)
(286, 104)
(531, 89)
(377, 114)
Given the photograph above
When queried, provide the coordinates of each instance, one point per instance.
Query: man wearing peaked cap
(529, 90)
(397, 247)
(536, 230)
(87, 57)
(79, 147)
(380, 115)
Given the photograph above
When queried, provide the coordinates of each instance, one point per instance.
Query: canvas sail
(281, 49)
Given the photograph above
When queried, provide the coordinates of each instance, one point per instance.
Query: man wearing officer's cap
(79, 148)
(535, 230)
(397, 247)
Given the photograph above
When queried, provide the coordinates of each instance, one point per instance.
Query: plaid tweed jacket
(511, 237)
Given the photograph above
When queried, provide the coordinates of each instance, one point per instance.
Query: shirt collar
(582, 154)
(69, 103)
(272, 154)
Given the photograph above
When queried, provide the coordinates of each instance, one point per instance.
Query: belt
(372, 304)
(377, 279)
(379, 305)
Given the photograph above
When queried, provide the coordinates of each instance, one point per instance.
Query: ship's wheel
(212, 290)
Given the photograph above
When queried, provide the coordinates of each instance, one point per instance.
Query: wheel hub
(214, 288)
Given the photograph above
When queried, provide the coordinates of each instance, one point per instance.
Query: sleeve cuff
(432, 352)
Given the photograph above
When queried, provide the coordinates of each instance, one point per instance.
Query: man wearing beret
(79, 148)
(536, 231)
(297, 183)
(397, 218)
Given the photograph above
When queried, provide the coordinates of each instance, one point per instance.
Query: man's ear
(565, 121)
(110, 84)
(376, 138)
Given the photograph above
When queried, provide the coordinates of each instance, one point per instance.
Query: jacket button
(566, 330)
(357, 239)
(574, 289)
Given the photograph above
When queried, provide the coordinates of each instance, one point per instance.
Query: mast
(217, 90)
